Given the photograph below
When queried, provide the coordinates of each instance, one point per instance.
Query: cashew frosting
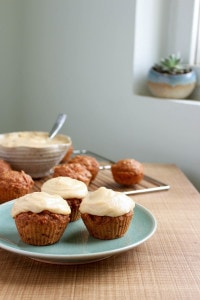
(31, 139)
(106, 202)
(66, 187)
(39, 201)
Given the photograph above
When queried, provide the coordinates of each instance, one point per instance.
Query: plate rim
(85, 257)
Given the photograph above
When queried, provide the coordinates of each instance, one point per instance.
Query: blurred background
(90, 59)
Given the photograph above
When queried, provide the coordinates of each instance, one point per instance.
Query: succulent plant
(171, 65)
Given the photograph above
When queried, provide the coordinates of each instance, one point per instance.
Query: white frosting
(38, 201)
(66, 187)
(106, 202)
(31, 139)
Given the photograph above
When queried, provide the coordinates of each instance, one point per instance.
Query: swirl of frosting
(66, 187)
(106, 202)
(39, 201)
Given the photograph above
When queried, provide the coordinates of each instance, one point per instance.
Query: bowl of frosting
(33, 151)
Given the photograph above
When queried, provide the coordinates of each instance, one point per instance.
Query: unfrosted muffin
(127, 171)
(4, 166)
(107, 214)
(40, 218)
(67, 156)
(89, 162)
(73, 170)
(14, 184)
(72, 190)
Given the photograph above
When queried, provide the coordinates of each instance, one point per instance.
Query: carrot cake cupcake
(72, 190)
(89, 162)
(14, 184)
(67, 156)
(107, 214)
(73, 170)
(4, 166)
(127, 172)
(40, 218)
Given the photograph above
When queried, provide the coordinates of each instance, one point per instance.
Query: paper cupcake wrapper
(107, 228)
(74, 206)
(40, 234)
(75, 215)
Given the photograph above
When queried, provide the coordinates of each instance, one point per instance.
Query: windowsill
(180, 101)
(163, 32)
(188, 101)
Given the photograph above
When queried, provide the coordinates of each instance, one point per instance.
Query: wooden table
(167, 266)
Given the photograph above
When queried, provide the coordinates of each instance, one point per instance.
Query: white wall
(77, 57)
(10, 63)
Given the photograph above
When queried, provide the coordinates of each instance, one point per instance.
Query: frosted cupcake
(107, 214)
(72, 190)
(40, 218)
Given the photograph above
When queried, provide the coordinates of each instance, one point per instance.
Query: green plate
(76, 245)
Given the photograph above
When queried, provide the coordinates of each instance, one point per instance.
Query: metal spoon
(57, 125)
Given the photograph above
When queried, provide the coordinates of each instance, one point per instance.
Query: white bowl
(33, 152)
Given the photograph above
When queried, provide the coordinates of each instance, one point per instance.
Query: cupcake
(127, 172)
(89, 162)
(72, 190)
(67, 156)
(73, 170)
(14, 184)
(107, 214)
(40, 218)
(4, 166)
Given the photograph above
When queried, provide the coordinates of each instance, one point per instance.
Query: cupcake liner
(74, 204)
(107, 228)
(40, 229)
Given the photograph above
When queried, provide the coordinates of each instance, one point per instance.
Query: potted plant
(171, 79)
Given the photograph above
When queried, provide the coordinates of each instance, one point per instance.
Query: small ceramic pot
(171, 86)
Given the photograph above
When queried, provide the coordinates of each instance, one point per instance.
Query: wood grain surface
(167, 266)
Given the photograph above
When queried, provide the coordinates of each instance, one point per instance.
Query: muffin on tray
(107, 214)
(127, 172)
(14, 184)
(89, 162)
(4, 166)
(67, 156)
(40, 218)
(72, 190)
(73, 170)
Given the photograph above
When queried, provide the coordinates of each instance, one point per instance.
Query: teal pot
(164, 85)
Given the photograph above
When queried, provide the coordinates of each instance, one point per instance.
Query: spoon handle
(58, 124)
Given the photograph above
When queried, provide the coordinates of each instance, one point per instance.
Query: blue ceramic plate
(76, 245)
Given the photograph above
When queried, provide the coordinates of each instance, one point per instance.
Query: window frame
(171, 26)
